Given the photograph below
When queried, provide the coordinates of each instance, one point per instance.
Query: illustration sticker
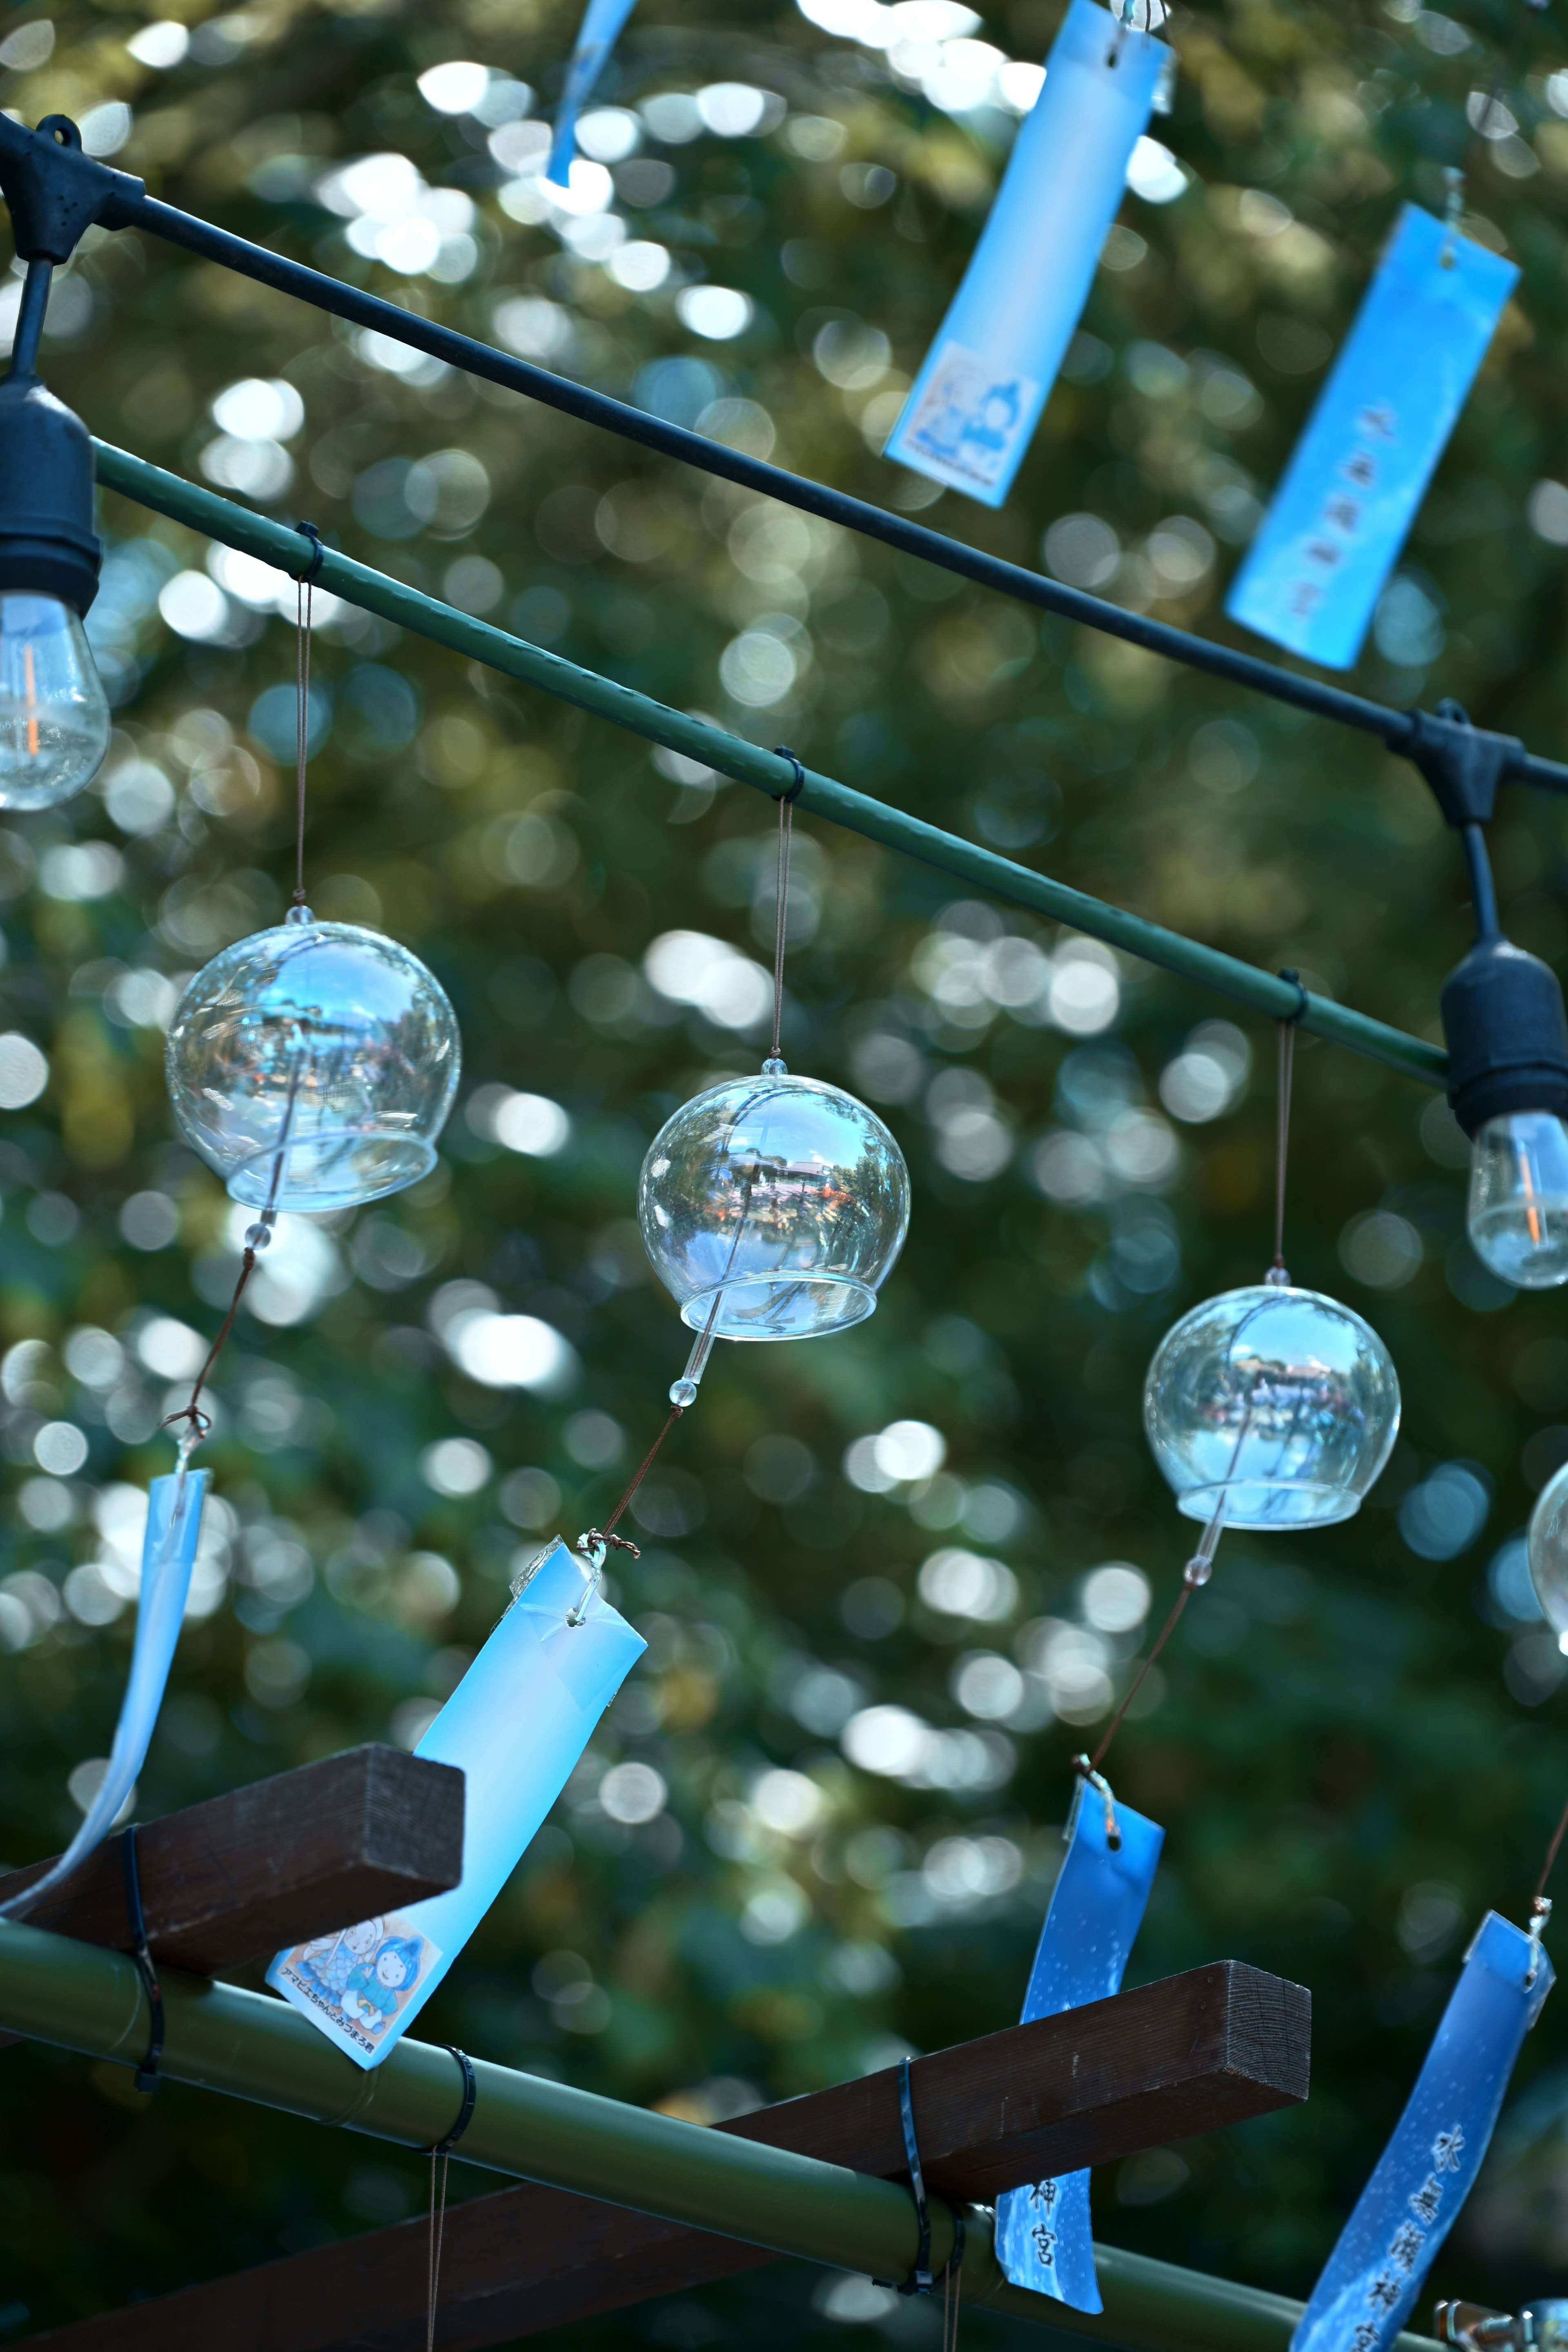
(355, 1983)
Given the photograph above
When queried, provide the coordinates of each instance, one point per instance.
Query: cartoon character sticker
(355, 1982)
(968, 419)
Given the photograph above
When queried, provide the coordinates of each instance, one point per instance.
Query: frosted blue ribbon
(168, 1556)
(515, 1727)
(1358, 474)
(973, 408)
(1043, 2236)
(600, 30)
(1369, 2283)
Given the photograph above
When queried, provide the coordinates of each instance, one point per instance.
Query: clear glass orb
(785, 1198)
(1547, 1551)
(313, 1065)
(54, 718)
(1518, 1213)
(1281, 1400)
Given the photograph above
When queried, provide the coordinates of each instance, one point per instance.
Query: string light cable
(54, 192)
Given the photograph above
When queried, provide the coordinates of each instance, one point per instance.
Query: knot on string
(1303, 1001)
(1097, 1781)
(312, 571)
(783, 751)
(597, 1538)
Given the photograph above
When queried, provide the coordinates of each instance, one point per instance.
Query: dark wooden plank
(369, 1831)
(1192, 2053)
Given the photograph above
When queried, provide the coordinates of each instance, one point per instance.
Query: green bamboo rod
(220, 2038)
(748, 763)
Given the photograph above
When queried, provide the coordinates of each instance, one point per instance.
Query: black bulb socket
(1507, 1034)
(47, 544)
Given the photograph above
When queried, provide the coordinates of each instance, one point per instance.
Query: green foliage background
(1342, 1720)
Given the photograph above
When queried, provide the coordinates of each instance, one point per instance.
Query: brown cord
(1169, 1627)
(606, 1534)
(200, 1423)
(1550, 1863)
(302, 596)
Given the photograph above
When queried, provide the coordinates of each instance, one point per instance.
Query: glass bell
(313, 1065)
(784, 1198)
(1547, 1549)
(1279, 1403)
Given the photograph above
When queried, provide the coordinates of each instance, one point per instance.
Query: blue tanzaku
(1043, 2236)
(168, 1555)
(597, 35)
(1358, 472)
(973, 409)
(515, 1727)
(1371, 2279)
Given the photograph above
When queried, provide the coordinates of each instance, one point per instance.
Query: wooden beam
(370, 1831)
(1190, 2054)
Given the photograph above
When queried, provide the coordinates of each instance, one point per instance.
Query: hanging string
(258, 1237)
(304, 588)
(1276, 1272)
(781, 906)
(442, 2153)
(438, 2232)
(952, 2289)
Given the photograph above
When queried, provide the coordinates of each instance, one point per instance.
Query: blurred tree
(1355, 1742)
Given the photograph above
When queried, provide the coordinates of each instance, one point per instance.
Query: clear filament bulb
(54, 719)
(1519, 1198)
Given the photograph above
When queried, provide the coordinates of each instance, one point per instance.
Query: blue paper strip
(1314, 573)
(600, 30)
(1369, 2286)
(168, 1555)
(515, 1725)
(973, 406)
(1044, 2239)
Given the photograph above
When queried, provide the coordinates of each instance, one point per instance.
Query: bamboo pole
(748, 763)
(222, 2038)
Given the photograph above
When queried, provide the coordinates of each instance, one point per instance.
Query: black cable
(146, 2077)
(134, 208)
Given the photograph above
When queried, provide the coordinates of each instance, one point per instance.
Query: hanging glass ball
(313, 1065)
(1279, 1401)
(1547, 1549)
(783, 1197)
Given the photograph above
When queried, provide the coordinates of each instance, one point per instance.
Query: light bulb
(313, 1065)
(1519, 1198)
(772, 1208)
(1547, 1548)
(54, 719)
(1280, 1404)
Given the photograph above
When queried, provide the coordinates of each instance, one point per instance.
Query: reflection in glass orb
(1281, 1402)
(785, 1198)
(1548, 1548)
(313, 1065)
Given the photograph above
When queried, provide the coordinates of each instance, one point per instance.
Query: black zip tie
(147, 2073)
(312, 571)
(1303, 1001)
(466, 2112)
(783, 751)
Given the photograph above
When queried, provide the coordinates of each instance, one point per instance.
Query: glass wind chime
(772, 1208)
(312, 1065)
(1269, 1407)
